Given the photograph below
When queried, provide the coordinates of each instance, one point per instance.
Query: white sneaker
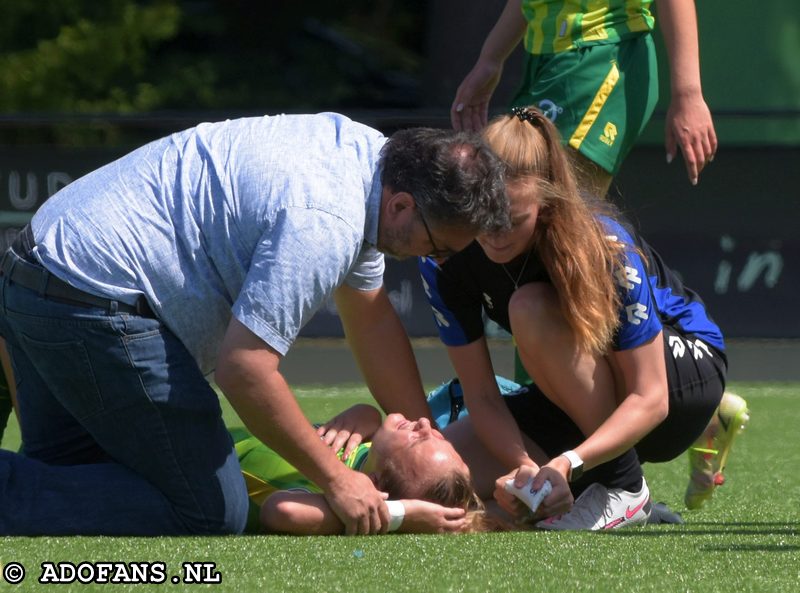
(600, 508)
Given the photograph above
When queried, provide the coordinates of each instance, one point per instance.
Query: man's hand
(358, 504)
(428, 517)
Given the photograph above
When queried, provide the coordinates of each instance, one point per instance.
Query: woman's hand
(689, 127)
(470, 109)
(558, 501)
(350, 428)
(428, 517)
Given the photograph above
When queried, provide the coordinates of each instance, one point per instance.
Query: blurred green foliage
(128, 56)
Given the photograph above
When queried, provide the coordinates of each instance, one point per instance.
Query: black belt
(21, 267)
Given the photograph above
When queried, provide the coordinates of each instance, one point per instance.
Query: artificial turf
(745, 540)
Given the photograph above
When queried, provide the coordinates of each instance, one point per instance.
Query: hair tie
(528, 114)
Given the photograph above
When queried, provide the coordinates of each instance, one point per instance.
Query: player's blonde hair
(453, 489)
(569, 239)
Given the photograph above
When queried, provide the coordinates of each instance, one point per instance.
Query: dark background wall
(734, 237)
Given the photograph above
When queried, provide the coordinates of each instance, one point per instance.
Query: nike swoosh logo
(630, 513)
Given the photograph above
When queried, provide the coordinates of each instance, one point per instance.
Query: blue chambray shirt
(262, 218)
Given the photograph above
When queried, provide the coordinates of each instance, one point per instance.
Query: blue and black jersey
(468, 286)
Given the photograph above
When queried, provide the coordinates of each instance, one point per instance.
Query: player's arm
(637, 365)
(305, 513)
(688, 123)
(299, 513)
(506, 33)
(492, 421)
(247, 373)
(350, 428)
(470, 107)
(644, 406)
(382, 350)
(498, 431)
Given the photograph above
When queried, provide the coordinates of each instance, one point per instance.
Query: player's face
(503, 247)
(416, 449)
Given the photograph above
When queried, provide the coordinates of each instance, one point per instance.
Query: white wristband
(396, 514)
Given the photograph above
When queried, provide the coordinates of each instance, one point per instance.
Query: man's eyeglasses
(435, 253)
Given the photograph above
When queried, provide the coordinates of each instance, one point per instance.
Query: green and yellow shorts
(599, 97)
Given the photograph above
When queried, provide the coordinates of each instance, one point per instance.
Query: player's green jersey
(560, 25)
(266, 472)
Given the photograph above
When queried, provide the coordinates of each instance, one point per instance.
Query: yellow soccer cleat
(708, 456)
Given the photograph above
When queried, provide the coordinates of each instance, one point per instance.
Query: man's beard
(394, 242)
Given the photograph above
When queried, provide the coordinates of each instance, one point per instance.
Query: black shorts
(696, 380)
(696, 375)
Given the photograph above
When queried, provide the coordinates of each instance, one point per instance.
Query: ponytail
(569, 239)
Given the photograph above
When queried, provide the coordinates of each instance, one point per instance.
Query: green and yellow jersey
(555, 26)
(266, 472)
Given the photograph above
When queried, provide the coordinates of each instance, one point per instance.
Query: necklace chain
(521, 272)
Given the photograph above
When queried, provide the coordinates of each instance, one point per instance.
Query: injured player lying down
(428, 484)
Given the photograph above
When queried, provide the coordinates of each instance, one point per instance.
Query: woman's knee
(534, 312)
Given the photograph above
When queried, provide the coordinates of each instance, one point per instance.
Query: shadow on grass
(711, 528)
(749, 548)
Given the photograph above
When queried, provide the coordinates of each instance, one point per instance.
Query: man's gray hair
(455, 178)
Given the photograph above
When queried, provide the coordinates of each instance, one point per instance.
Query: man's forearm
(390, 370)
(383, 351)
(271, 413)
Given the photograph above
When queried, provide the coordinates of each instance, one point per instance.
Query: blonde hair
(569, 239)
(453, 489)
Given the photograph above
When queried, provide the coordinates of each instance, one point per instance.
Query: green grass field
(745, 540)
